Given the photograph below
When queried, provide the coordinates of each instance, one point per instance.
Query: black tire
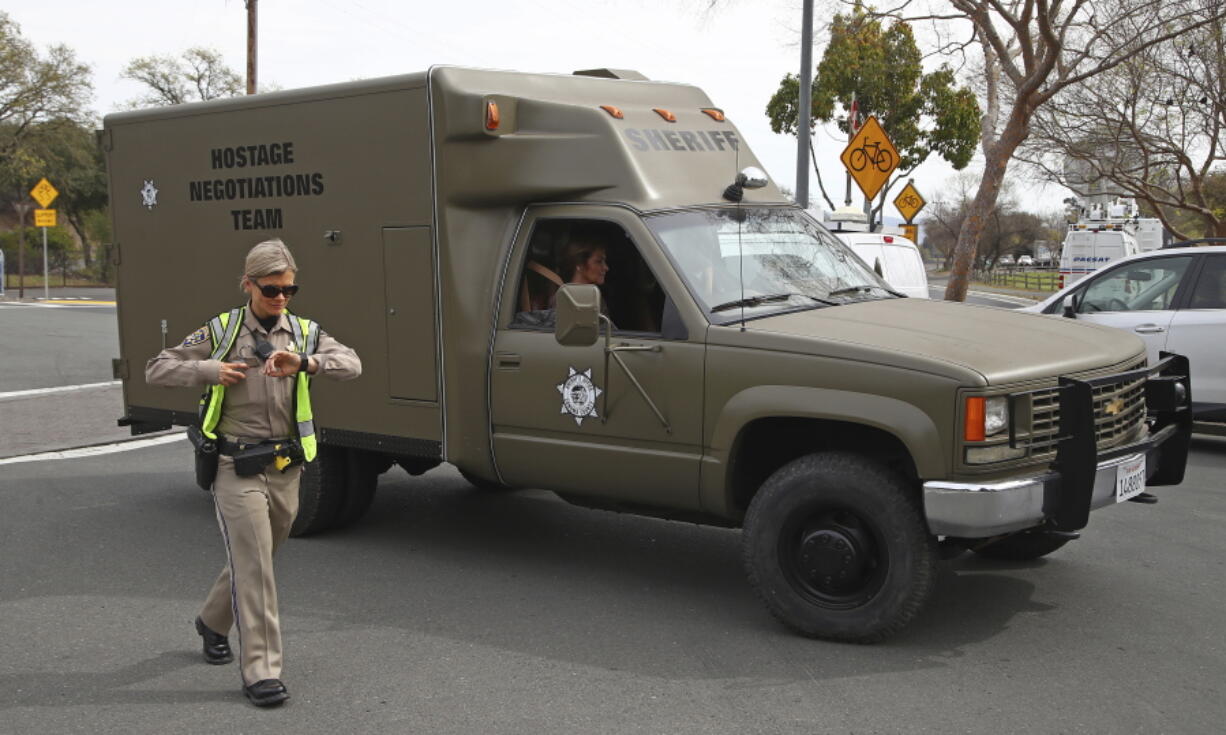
(485, 486)
(321, 492)
(836, 546)
(1022, 546)
(361, 480)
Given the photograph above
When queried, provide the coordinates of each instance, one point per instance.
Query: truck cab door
(573, 419)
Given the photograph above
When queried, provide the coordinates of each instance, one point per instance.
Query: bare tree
(200, 74)
(1040, 48)
(1152, 128)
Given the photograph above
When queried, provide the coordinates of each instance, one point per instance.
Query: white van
(1087, 250)
(895, 257)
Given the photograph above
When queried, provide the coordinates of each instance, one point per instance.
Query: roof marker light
(492, 118)
(615, 112)
(716, 114)
(665, 114)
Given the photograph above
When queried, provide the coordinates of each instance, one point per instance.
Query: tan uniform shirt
(257, 407)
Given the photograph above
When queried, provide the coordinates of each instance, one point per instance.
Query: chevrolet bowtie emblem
(1114, 408)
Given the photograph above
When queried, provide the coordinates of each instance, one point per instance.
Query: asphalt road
(447, 610)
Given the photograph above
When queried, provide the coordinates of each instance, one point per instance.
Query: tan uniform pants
(255, 514)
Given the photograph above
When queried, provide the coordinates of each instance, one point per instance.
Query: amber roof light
(665, 114)
(492, 118)
(615, 112)
(716, 115)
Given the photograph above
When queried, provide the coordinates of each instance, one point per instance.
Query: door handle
(1149, 329)
(508, 361)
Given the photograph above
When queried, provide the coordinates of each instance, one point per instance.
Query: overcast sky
(737, 55)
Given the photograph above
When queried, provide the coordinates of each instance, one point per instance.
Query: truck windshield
(762, 260)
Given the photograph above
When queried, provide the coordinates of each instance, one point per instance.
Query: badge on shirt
(197, 336)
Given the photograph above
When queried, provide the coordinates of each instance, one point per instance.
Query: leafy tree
(60, 247)
(199, 74)
(73, 162)
(881, 68)
(35, 88)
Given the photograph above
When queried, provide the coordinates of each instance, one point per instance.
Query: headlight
(996, 416)
(985, 417)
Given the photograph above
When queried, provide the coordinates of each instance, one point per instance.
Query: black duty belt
(231, 448)
(253, 458)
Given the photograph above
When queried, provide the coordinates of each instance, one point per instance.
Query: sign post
(44, 193)
(870, 157)
(908, 203)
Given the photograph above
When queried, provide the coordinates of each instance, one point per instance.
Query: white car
(1174, 299)
(1025, 260)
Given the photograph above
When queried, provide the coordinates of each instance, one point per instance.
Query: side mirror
(578, 315)
(1070, 305)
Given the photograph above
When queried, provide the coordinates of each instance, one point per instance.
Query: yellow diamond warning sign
(44, 193)
(870, 157)
(909, 202)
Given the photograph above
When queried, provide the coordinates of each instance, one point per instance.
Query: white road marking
(59, 389)
(61, 305)
(96, 451)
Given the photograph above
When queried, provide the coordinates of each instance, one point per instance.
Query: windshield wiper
(862, 289)
(751, 301)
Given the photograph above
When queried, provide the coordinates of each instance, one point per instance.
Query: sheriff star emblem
(579, 395)
(148, 195)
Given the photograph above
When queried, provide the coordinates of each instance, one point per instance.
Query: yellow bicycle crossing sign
(870, 157)
(909, 201)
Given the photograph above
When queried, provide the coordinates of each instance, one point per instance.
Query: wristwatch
(304, 362)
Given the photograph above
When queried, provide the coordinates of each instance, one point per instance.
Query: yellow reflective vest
(223, 330)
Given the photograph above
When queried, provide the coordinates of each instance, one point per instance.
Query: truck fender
(906, 422)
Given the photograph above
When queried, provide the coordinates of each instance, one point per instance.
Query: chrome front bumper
(1082, 477)
(979, 510)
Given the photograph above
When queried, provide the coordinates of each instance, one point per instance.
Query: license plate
(1129, 479)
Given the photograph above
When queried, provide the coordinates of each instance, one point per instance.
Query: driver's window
(1145, 286)
(593, 252)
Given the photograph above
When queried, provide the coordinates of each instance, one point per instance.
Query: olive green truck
(586, 284)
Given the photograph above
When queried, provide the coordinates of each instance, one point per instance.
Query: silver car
(1174, 299)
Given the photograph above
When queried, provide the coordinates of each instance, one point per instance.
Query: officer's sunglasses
(270, 292)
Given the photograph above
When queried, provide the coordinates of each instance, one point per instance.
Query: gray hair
(268, 258)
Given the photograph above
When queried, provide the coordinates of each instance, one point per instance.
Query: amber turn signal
(492, 118)
(665, 114)
(976, 416)
(615, 112)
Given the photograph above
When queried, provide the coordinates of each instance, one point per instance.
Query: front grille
(1119, 412)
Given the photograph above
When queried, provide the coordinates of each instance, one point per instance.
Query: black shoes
(266, 692)
(216, 645)
(263, 693)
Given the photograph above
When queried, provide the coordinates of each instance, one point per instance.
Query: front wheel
(837, 548)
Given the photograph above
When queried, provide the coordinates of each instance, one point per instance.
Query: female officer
(251, 358)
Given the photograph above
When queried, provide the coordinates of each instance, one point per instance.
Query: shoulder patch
(197, 336)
